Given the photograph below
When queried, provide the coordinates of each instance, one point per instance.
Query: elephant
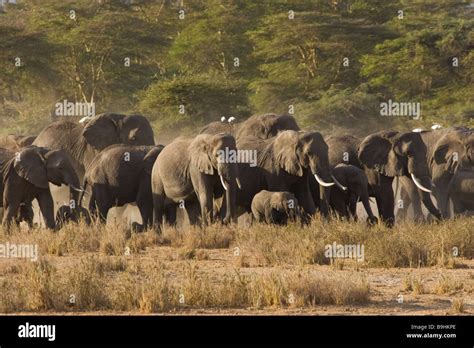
(286, 162)
(266, 126)
(261, 126)
(383, 156)
(275, 207)
(450, 149)
(67, 214)
(82, 141)
(121, 174)
(26, 176)
(15, 142)
(223, 126)
(190, 169)
(344, 202)
(461, 191)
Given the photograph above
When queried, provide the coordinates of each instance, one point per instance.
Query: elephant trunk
(424, 186)
(364, 198)
(74, 188)
(229, 181)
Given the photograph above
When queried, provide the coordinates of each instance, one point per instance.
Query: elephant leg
(306, 202)
(338, 203)
(159, 199)
(171, 210)
(352, 206)
(383, 192)
(404, 200)
(46, 204)
(103, 203)
(26, 213)
(193, 210)
(145, 205)
(10, 212)
(206, 203)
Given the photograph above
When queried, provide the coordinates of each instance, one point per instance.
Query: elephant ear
(199, 152)
(284, 150)
(102, 131)
(376, 152)
(30, 164)
(150, 158)
(448, 153)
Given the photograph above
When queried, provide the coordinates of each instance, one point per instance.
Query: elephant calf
(121, 174)
(275, 207)
(344, 202)
(67, 214)
(461, 191)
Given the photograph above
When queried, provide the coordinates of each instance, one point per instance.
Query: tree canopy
(186, 63)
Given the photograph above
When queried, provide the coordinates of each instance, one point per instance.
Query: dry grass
(406, 245)
(107, 268)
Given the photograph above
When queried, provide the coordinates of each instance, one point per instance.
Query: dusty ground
(119, 270)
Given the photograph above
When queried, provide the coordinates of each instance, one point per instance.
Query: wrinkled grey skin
(275, 207)
(26, 175)
(66, 214)
(84, 141)
(260, 126)
(383, 156)
(121, 174)
(190, 168)
(461, 191)
(443, 146)
(344, 203)
(286, 162)
(15, 142)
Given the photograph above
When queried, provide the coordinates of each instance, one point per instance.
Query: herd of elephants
(112, 160)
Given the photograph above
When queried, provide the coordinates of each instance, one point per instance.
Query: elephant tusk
(76, 188)
(417, 183)
(338, 184)
(321, 182)
(223, 183)
(239, 185)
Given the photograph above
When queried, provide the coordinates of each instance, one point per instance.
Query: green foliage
(334, 62)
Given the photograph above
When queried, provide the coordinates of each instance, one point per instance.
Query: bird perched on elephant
(275, 207)
(26, 175)
(66, 214)
(190, 169)
(121, 174)
(15, 141)
(344, 202)
(461, 191)
(228, 126)
(383, 156)
(83, 141)
(260, 126)
(285, 163)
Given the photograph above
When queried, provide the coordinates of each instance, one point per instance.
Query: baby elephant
(121, 174)
(344, 203)
(275, 207)
(461, 192)
(67, 214)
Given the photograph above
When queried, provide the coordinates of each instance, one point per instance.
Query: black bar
(224, 330)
